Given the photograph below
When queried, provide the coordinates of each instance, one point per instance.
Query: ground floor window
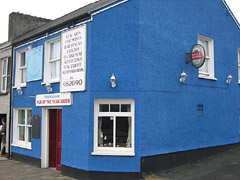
(114, 127)
(22, 126)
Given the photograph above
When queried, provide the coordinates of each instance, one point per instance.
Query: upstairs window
(207, 70)
(21, 68)
(52, 60)
(4, 75)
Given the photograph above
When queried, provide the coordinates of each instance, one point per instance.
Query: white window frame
(47, 62)
(209, 59)
(238, 65)
(4, 76)
(113, 151)
(18, 82)
(16, 142)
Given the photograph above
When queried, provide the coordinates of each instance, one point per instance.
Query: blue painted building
(143, 45)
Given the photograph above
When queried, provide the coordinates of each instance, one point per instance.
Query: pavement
(223, 166)
(14, 170)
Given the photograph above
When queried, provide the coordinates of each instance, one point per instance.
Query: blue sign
(34, 64)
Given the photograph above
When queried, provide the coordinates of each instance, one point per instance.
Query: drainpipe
(10, 106)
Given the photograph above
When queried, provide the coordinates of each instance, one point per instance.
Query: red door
(55, 138)
(59, 140)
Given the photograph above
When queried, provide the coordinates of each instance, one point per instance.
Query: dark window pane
(114, 107)
(105, 131)
(23, 60)
(123, 130)
(21, 117)
(200, 109)
(21, 135)
(5, 67)
(29, 117)
(104, 108)
(125, 108)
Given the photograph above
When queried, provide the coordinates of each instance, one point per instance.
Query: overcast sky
(52, 9)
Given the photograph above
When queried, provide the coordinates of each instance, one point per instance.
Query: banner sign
(73, 66)
(58, 99)
(34, 64)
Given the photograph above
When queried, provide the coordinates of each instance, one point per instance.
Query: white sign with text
(73, 66)
(57, 99)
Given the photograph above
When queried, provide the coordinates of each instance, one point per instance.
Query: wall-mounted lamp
(29, 47)
(19, 91)
(229, 79)
(183, 77)
(113, 81)
(48, 87)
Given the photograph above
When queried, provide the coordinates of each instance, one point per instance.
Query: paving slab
(15, 170)
(223, 166)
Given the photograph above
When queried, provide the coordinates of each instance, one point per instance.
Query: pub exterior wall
(144, 45)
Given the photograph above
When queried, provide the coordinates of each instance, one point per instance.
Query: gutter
(71, 23)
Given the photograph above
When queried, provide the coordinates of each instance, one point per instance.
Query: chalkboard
(36, 127)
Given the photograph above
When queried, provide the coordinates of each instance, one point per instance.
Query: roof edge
(231, 13)
(80, 14)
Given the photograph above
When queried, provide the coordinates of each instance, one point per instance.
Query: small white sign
(58, 99)
(73, 65)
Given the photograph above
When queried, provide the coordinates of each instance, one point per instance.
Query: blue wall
(144, 44)
(169, 29)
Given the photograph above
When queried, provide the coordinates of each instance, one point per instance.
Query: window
(21, 68)
(52, 60)
(114, 127)
(200, 110)
(4, 75)
(239, 66)
(207, 70)
(22, 126)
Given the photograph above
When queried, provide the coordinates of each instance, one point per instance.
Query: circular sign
(198, 55)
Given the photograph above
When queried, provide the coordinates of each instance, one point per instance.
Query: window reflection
(105, 132)
(123, 130)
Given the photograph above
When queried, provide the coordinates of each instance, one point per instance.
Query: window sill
(21, 86)
(207, 77)
(101, 153)
(22, 146)
(51, 82)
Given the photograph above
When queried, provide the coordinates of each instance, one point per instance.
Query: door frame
(45, 136)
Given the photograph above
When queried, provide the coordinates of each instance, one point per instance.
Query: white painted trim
(113, 154)
(45, 136)
(109, 7)
(211, 69)
(47, 65)
(4, 76)
(22, 146)
(113, 151)
(16, 142)
(200, 76)
(17, 70)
